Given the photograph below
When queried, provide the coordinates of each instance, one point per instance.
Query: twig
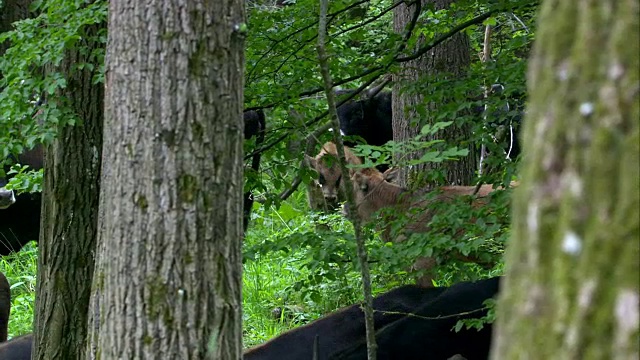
(353, 216)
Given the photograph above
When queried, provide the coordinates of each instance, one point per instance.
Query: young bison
(373, 193)
(328, 184)
(342, 328)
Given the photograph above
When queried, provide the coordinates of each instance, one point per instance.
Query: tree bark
(451, 60)
(71, 189)
(169, 273)
(572, 268)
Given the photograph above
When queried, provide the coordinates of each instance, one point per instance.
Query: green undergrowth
(20, 270)
(293, 272)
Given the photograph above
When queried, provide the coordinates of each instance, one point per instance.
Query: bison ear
(391, 175)
(309, 161)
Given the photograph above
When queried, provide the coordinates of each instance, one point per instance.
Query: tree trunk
(71, 189)
(451, 60)
(572, 269)
(169, 272)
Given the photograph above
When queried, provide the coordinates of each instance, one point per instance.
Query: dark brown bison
(18, 348)
(20, 221)
(429, 333)
(342, 328)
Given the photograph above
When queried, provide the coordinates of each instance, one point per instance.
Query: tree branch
(353, 215)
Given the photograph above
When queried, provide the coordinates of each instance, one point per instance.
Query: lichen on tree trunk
(572, 267)
(168, 281)
(449, 59)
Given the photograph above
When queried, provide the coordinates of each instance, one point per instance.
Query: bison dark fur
(20, 222)
(429, 335)
(342, 328)
(17, 348)
(5, 307)
(254, 125)
(369, 118)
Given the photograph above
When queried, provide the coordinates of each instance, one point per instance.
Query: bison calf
(328, 184)
(369, 118)
(374, 193)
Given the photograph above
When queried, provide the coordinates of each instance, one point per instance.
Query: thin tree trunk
(572, 267)
(71, 190)
(169, 273)
(449, 59)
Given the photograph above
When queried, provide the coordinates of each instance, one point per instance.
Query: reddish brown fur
(329, 173)
(373, 192)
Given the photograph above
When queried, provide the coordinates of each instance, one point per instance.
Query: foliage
(479, 323)
(31, 112)
(23, 180)
(288, 262)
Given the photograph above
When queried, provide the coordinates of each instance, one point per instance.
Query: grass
(295, 278)
(20, 270)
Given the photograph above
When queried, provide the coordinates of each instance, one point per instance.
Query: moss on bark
(572, 267)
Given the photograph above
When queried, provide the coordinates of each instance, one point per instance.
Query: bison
(342, 328)
(429, 333)
(254, 126)
(5, 307)
(20, 222)
(18, 348)
(326, 192)
(369, 118)
(373, 193)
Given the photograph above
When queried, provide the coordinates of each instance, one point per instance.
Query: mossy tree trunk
(71, 189)
(449, 60)
(572, 267)
(168, 279)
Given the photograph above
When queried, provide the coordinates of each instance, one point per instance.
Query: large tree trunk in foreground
(572, 268)
(71, 189)
(169, 272)
(451, 60)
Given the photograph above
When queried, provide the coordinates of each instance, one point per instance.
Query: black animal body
(5, 307)
(20, 221)
(369, 118)
(18, 348)
(254, 123)
(429, 335)
(254, 126)
(342, 328)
